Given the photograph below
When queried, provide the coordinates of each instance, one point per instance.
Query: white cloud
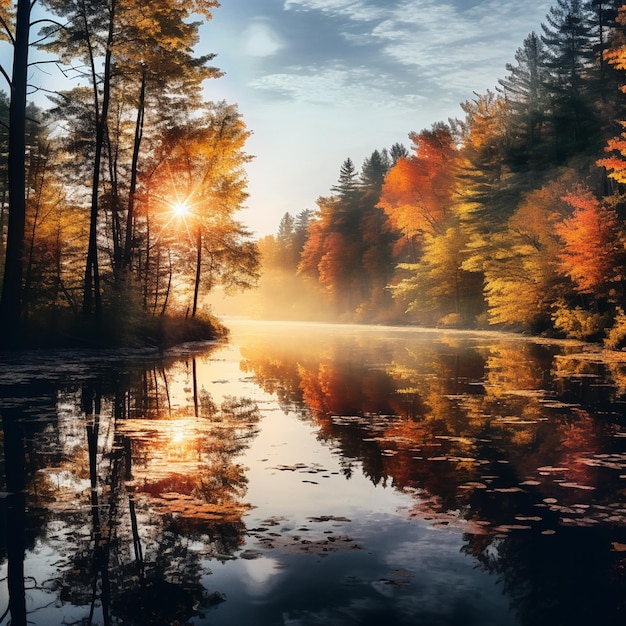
(340, 86)
(261, 40)
(359, 10)
(435, 45)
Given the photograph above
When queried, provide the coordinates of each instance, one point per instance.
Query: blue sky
(318, 81)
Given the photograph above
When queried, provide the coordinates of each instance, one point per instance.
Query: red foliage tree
(593, 254)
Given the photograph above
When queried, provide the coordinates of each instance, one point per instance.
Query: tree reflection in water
(134, 484)
(521, 440)
(136, 502)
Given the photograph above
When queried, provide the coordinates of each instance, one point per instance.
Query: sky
(320, 81)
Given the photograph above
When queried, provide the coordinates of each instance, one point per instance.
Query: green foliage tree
(527, 96)
(569, 51)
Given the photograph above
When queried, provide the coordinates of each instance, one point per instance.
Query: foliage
(593, 253)
(133, 182)
(616, 335)
(578, 323)
(105, 148)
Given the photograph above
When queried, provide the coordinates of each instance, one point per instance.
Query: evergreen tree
(347, 187)
(285, 240)
(374, 170)
(569, 56)
(525, 92)
(398, 151)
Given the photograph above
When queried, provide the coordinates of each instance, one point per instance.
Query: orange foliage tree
(593, 256)
(615, 162)
(522, 280)
(417, 193)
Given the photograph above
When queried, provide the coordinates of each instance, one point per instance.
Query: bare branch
(48, 21)
(7, 30)
(6, 76)
(47, 36)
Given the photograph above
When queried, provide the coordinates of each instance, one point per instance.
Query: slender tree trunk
(169, 285)
(92, 298)
(196, 288)
(2, 214)
(130, 215)
(11, 300)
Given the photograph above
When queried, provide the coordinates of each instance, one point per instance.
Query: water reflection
(524, 442)
(313, 475)
(128, 492)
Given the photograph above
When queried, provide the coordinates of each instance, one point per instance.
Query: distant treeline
(513, 216)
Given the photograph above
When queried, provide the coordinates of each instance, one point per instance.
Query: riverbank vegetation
(118, 202)
(511, 217)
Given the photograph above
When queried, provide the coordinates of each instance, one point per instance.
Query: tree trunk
(11, 301)
(92, 301)
(196, 287)
(130, 216)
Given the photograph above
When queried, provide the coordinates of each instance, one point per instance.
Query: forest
(512, 217)
(118, 201)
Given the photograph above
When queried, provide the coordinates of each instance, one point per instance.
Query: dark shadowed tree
(11, 299)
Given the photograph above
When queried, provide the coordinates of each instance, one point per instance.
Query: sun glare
(180, 209)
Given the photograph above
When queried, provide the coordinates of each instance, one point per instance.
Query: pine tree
(347, 187)
(525, 92)
(569, 50)
(374, 170)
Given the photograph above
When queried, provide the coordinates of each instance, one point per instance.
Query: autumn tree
(436, 289)
(615, 161)
(522, 280)
(417, 193)
(126, 48)
(155, 59)
(198, 184)
(593, 254)
(348, 251)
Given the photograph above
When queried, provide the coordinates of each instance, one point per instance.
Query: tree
(199, 202)
(487, 191)
(593, 255)
(347, 187)
(437, 288)
(398, 151)
(127, 47)
(373, 172)
(566, 35)
(525, 92)
(602, 22)
(12, 288)
(154, 55)
(285, 239)
(522, 281)
(417, 195)
(615, 162)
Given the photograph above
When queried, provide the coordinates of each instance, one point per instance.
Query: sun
(180, 209)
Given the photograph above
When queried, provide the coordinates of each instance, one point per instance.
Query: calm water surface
(302, 475)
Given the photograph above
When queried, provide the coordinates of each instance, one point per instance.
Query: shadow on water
(342, 476)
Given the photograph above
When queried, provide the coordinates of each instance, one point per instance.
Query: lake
(302, 475)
